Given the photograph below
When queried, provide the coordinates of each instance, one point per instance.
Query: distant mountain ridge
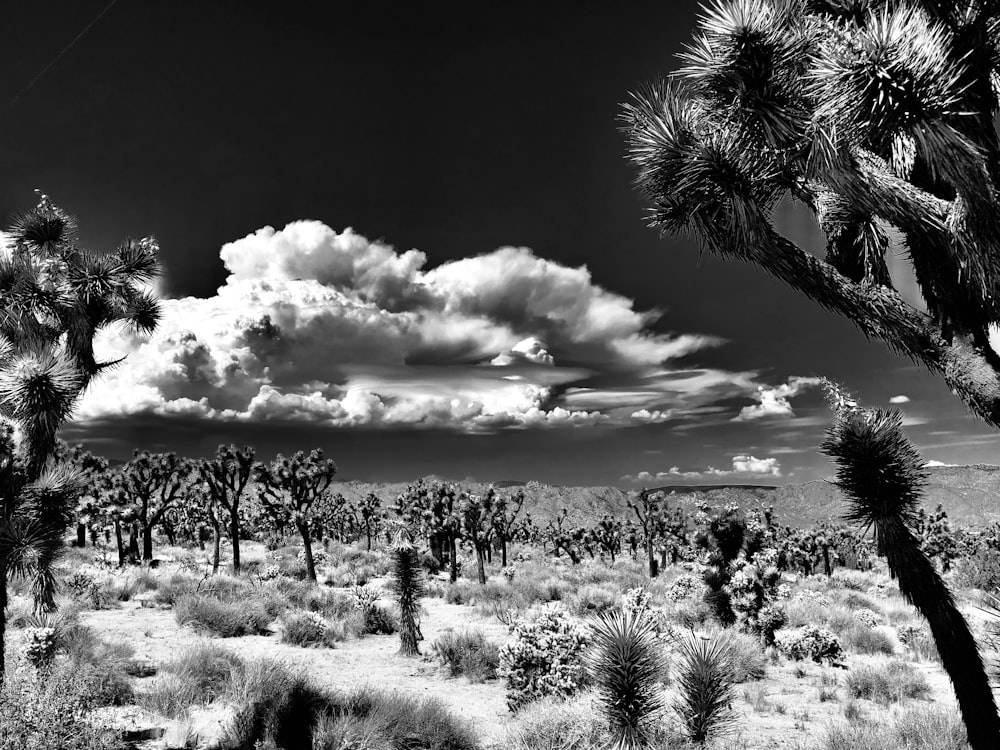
(970, 495)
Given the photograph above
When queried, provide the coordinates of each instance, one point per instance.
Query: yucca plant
(54, 299)
(870, 114)
(883, 477)
(408, 585)
(627, 667)
(706, 687)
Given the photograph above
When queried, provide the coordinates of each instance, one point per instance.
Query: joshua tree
(54, 299)
(475, 513)
(369, 517)
(408, 585)
(289, 488)
(505, 512)
(873, 115)
(883, 476)
(225, 477)
(627, 668)
(91, 468)
(152, 483)
(433, 508)
(648, 507)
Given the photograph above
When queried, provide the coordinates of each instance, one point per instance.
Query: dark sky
(454, 129)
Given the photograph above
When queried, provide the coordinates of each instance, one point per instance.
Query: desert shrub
(980, 570)
(277, 706)
(39, 647)
(223, 618)
(306, 629)
(197, 676)
(919, 641)
(853, 580)
(854, 600)
(685, 586)
(809, 642)
(368, 718)
(593, 599)
(861, 638)
(891, 682)
(749, 660)
(544, 656)
(320, 556)
(923, 729)
(706, 687)
(36, 714)
(867, 617)
(462, 592)
(690, 613)
(376, 620)
(174, 587)
(556, 724)
(469, 653)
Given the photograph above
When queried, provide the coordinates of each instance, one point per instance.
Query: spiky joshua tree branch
(872, 114)
(54, 299)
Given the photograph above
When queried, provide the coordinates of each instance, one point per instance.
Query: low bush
(222, 618)
(379, 620)
(544, 656)
(890, 682)
(197, 676)
(924, 729)
(594, 599)
(558, 724)
(469, 654)
(37, 714)
(861, 638)
(749, 660)
(809, 642)
(306, 629)
(368, 718)
(173, 588)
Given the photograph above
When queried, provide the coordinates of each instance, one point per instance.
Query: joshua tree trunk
(454, 560)
(81, 535)
(307, 542)
(920, 583)
(234, 536)
(133, 542)
(216, 548)
(147, 543)
(120, 543)
(652, 560)
(503, 552)
(480, 564)
(3, 623)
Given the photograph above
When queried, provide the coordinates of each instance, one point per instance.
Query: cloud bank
(743, 467)
(330, 327)
(773, 402)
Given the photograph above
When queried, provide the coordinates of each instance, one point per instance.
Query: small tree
(368, 512)
(289, 488)
(648, 507)
(506, 509)
(408, 585)
(151, 484)
(433, 509)
(225, 477)
(607, 534)
(475, 513)
(883, 477)
(91, 469)
(54, 299)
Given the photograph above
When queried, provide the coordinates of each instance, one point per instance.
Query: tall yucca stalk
(883, 476)
(408, 586)
(626, 666)
(54, 299)
(706, 687)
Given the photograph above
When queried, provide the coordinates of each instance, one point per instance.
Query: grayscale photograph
(551, 375)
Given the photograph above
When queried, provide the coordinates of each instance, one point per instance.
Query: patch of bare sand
(372, 660)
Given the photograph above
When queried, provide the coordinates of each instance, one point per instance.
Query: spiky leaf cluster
(876, 115)
(706, 687)
(626, 667)
(55, 297)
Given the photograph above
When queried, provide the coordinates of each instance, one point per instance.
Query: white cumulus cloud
(743, 467)
(773, 402)
(324, 326)
(901, 399)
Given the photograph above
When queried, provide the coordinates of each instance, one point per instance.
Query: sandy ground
(782, 711)
(371, 660)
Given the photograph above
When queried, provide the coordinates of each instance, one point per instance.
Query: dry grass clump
(468, 653)
(553, 724)
(889, 682)
(913, 729)
(227, 619)
(199, 675)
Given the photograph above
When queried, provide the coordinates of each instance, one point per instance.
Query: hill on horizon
(969, 494)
